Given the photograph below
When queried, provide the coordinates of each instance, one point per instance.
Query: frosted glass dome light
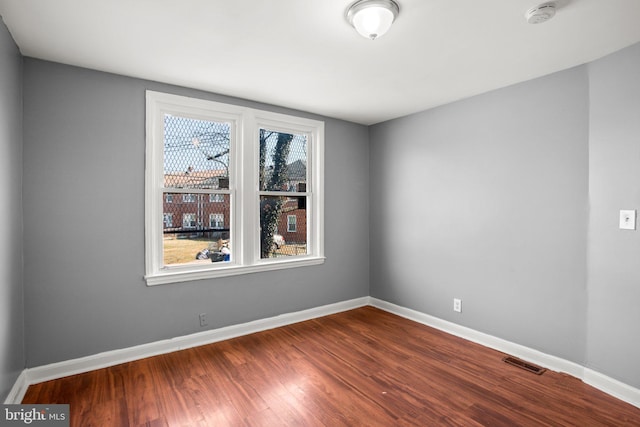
(372, 18)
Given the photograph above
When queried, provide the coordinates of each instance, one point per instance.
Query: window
(168, 219)
(189, 220)
(241, 174)
(216, 220)
(186, 198)
(282, 186)
(291, 223)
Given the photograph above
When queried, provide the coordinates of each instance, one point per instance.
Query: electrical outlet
(457, 305)
(203, 319)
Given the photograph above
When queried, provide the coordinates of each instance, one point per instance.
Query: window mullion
(284, 193)
(247, 189)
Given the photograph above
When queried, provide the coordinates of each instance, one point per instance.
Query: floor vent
(524, 365)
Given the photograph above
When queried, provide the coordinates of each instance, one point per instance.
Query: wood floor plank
(363, 367)
(113, 412)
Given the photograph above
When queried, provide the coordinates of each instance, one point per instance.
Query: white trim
(230, 270)
(294, 223)
(612, 387)
(19, 389)
(600, 381)
(115, 357)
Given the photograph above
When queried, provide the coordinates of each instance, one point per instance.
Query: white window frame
(167, 220)
(189, 224)
(290, 223)
(219, 220)
(244, 220)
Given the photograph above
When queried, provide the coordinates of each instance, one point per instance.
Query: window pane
(283, 161)
(196, 153)
(275, 213)
(196, 230)
(216, 220)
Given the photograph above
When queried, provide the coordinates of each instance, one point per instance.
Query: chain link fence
(197, 199)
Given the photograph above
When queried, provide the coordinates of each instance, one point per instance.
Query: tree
(271, 207)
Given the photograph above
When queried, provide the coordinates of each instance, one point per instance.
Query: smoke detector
(541, 13)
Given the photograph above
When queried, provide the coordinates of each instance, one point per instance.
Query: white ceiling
(304, 55)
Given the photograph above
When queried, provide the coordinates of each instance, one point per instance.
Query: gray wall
(486, 200)
(84, 224)
(614, 254)
(12, 358)
(510, 201)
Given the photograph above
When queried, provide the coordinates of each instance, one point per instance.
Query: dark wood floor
(361, 367)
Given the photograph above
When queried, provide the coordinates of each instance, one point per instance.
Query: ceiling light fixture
(372, 18)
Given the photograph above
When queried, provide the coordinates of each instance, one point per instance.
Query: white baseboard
(115, 357)
(18, 390)
(602, 382)
(612, 387)
(110, 358)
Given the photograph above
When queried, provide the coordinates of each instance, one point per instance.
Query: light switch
(628, 220)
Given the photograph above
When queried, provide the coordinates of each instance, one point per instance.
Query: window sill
(167, 277)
